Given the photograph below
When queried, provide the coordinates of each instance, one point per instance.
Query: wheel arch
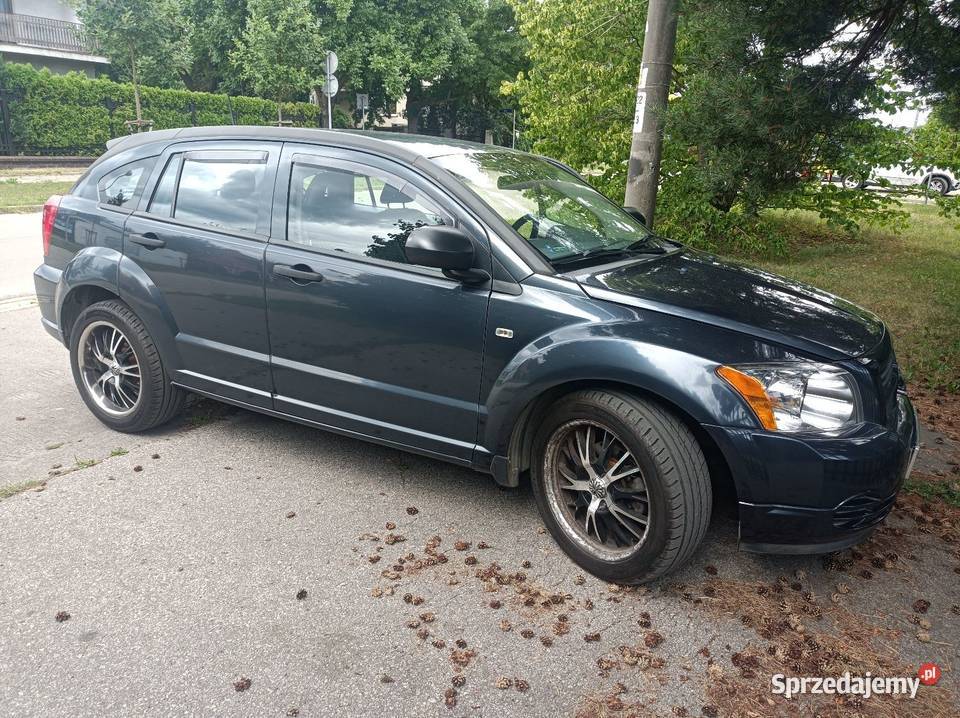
(101, 274)
(931, 175)
(520, 447)
(76, 300)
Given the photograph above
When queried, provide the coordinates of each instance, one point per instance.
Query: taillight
(49, 216)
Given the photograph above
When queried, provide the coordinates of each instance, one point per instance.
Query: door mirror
(441, 247)
(636, 214)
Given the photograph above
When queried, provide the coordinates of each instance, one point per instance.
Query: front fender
(592, 353)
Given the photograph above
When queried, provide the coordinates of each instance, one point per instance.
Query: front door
(200, 238)
(361, 340)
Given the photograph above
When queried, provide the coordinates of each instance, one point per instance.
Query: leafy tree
(280, 51)
(925, 49)
(138, 33)
(766, 96)
(467, 99)
(388, 48)
(216, 26)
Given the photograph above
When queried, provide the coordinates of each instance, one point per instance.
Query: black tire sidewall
(944, 185)
(147, 408)
(634, 567)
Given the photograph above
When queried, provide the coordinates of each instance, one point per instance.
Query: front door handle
(149, 240)
(300, 273)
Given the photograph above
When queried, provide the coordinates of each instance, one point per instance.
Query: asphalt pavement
(21, 251)
(235, 564)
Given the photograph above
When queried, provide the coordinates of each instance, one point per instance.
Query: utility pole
(653, 89)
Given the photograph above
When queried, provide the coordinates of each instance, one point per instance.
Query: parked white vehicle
(937, 180)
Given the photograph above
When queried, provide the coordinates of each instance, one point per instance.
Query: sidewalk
(21, 251)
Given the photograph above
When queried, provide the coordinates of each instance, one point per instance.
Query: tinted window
(338, 210)
(221, 189)
(122, 187)
(163, 195)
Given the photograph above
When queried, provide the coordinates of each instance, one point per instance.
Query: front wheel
(621, 484)
(118, 370)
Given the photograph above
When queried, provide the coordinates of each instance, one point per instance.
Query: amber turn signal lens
(751, 390)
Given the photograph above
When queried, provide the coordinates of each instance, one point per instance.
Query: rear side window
(220, 189)
(355, 212)
(123, 186)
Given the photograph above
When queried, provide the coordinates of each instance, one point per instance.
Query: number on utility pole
(653, 89)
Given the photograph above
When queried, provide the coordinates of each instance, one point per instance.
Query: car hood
(704, 287)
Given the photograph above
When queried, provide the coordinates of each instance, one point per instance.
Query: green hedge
(73, 114)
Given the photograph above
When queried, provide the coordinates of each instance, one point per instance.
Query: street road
(178, 557)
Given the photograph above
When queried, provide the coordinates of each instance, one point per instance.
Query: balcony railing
(45, 32)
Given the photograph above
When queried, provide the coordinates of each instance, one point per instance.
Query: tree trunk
(279, 114)
(413, 107)
(136, 86)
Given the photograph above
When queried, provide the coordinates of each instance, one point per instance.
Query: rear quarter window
(123, 186)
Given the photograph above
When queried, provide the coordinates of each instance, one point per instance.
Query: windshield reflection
(556, 212)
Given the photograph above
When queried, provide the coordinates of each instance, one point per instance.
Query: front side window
(221, 189)
(561, 216)
(122, 187)
(355, 212)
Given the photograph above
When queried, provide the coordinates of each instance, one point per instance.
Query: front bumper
(815, 494)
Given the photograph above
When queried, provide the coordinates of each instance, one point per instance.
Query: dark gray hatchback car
(482, 306)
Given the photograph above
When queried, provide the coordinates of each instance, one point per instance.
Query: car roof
(401, 145)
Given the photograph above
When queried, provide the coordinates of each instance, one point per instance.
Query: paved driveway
(231, 547)
(21, 251)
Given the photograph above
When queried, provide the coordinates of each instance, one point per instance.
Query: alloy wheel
(109, 367)
(937, 185)
(596, 489)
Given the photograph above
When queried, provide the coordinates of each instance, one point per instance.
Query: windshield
(555, 211)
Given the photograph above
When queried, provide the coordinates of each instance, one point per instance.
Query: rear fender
(147, 301)
(90, 267)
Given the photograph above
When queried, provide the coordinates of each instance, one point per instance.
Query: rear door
(200, 238)
(361, 340)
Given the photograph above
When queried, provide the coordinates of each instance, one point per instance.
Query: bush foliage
(74, 114)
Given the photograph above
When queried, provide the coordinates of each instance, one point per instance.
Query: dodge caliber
(485, 307)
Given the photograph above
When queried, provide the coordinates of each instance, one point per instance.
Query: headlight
(797, 397)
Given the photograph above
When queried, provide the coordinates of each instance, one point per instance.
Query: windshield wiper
(641, 246)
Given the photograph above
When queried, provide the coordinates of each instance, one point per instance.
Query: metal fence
(46, 32)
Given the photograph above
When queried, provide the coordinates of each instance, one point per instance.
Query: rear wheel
(938, 185)
(621, 484)
(851, 182)
(118, 370)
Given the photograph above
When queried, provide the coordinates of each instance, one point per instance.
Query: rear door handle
(149, 240)
(300, 273)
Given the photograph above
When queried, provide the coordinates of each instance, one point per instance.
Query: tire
(665, 459)
(133, 366)
(852, 183)
(937, 184)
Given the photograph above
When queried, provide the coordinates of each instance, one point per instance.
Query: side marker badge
(505, 333)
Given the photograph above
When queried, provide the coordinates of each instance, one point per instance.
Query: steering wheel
(534, 225)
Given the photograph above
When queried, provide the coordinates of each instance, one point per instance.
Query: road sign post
(331, 85)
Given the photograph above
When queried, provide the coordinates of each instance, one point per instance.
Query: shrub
(73, 114)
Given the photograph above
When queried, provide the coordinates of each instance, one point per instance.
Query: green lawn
(911, 280)
(28, 196)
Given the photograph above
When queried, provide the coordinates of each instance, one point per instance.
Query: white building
(46, 33)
